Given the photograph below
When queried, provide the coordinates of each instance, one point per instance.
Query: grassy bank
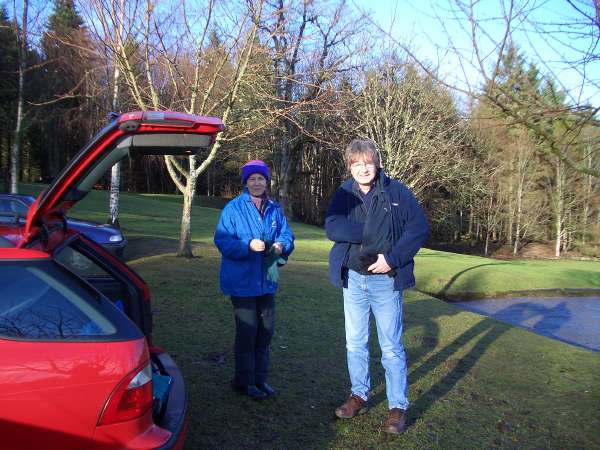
(474, 382)
(441, 274)
(455, 276)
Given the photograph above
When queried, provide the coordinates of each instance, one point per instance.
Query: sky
(431, 27)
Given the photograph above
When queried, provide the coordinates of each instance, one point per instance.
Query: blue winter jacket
(243, 271)
(409, 230)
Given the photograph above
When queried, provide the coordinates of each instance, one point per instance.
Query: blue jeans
(366, 293)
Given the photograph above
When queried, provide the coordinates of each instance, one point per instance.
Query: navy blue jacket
(243, 271)
(409, 230)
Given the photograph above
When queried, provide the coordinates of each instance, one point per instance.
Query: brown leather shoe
(353, 406)
(396, 422)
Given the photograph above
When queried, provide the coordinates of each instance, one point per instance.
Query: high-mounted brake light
(131, 399)
(159, 117)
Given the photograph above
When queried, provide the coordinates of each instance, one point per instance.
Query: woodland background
(506, 162)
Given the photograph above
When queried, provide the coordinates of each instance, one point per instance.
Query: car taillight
(131, 399)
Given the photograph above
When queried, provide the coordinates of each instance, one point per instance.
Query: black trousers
(254, 329)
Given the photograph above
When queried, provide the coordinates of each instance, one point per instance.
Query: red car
(78, 368)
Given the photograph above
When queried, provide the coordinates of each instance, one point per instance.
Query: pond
(575, 320)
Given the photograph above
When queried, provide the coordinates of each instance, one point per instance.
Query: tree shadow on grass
(484, 334)
(544, 320)
(480, 336)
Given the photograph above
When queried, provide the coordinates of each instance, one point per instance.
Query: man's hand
(277, 248)
(379, 266)
(256, 245)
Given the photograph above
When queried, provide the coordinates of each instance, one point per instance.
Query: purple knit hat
(255, 166)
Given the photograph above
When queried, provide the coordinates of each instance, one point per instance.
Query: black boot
(251, 391)
(266, 388)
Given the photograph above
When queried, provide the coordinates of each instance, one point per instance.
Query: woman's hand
(256, 245)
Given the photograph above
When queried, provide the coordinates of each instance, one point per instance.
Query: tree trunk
(115, 174)
(208, 182)
(471, 213)
(185, 247)
(558, 214)
(285, 172)
(147, 172)
(16, 145)
(509, 226)
(518, 217)
(15, 149)
(115, 182)
(586, 199)
(567, 232)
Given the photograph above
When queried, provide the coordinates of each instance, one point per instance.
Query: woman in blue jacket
(254, 238)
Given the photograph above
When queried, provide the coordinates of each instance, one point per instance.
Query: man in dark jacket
(377, 226)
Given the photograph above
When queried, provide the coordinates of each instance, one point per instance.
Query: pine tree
(9, 66)
(67, 82)
(516, 88)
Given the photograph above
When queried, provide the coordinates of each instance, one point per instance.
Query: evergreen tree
(516, 158)
(9, 66)
(66, 77)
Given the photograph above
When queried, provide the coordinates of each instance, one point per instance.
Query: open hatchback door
(79, 369)
(133, 133)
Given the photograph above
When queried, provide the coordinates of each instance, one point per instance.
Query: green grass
(454, 276)
(441, 274)
(474, 382)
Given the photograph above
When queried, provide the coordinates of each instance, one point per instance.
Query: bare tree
(162, 69)
(311, 44)
(415, 124)
(590, 189)
(22, 46)
(115, 172)
(490, 35)
(114, 24)
(523, 183)
(239, 54)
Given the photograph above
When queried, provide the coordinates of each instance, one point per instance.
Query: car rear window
(40, 300)
(80, 264)
(15, 206)
(5, 243)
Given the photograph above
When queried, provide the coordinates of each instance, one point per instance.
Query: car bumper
(175, 416)
(146, 432)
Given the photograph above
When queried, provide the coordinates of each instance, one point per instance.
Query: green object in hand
(272, 260)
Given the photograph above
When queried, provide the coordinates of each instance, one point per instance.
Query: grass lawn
(474, 382)
(455, 276)
(441, 274)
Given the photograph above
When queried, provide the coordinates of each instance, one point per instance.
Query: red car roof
(22, 253)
